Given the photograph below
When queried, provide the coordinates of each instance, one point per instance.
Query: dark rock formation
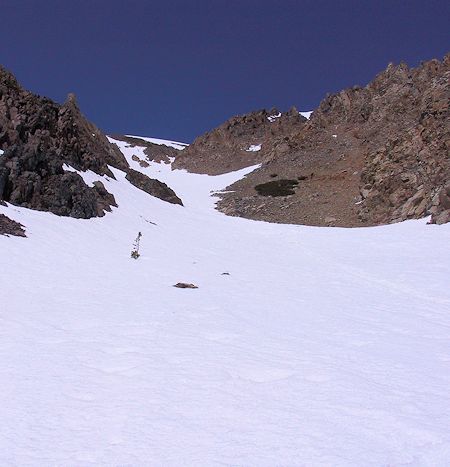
(226, 148)
(367, 156)
(38, 136)
(36, 179)
(152, 187)
(10, 227)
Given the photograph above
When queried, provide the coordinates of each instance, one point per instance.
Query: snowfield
(302, 346)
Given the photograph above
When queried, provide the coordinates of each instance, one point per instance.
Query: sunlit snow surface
(322, 347)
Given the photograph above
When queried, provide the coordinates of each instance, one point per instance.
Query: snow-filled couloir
(301, 345)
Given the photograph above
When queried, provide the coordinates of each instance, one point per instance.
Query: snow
(2, 152)
(254, 148)
(334, 136)
(323, 346)
(306, 114)
(163, 142)
(272, 118)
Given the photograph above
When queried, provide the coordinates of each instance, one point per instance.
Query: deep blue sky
(174, 69)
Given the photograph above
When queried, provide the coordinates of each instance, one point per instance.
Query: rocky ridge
(37, 138)
(368, 156)
(239, 142)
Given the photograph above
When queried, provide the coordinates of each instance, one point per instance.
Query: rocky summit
(368, 155)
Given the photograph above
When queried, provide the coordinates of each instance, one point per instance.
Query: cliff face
(367, 156)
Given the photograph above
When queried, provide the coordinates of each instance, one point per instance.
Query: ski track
(323, 346)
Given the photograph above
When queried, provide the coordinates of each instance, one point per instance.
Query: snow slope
(322, 347)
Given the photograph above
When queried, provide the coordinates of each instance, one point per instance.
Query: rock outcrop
(367, 156)
(10, 227)
(38, 136)
(152, 187)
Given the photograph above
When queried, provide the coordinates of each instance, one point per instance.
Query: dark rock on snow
(10, 227)
(152, 187)
(183, 285)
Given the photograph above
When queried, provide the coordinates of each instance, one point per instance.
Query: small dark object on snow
(225, 274)
(183, 285)
(135, 251)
